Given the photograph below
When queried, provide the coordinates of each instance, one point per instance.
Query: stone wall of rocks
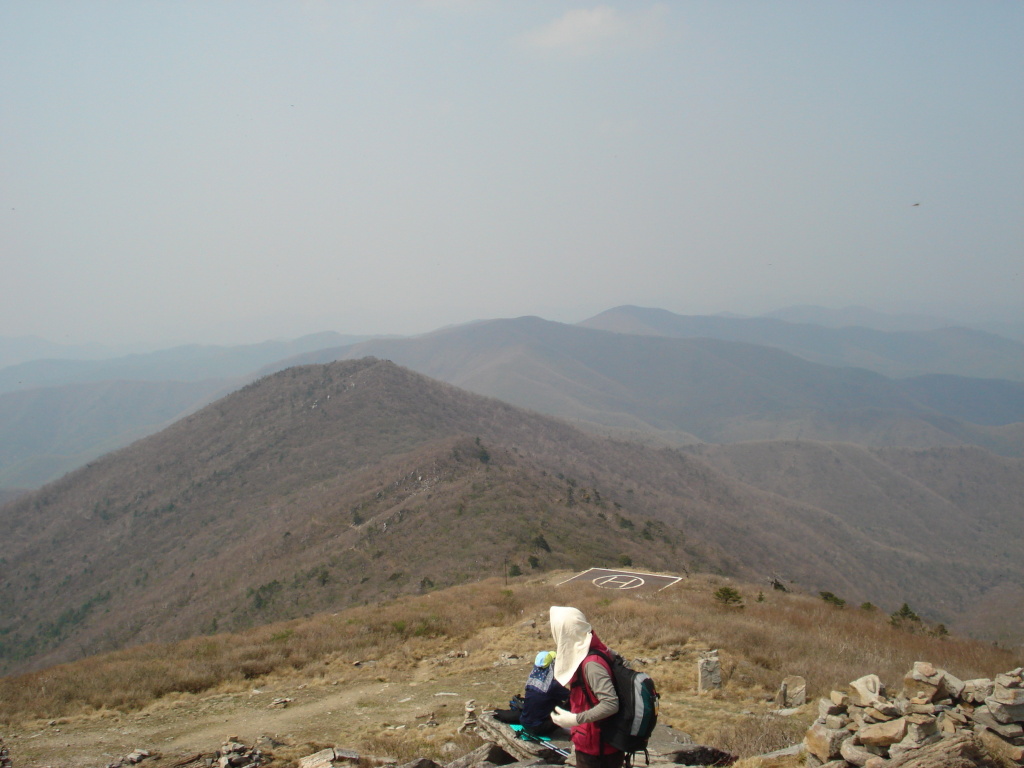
(934, 711)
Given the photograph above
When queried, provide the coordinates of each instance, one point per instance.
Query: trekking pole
(546, 744)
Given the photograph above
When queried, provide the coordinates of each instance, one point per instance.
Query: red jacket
(586, 737)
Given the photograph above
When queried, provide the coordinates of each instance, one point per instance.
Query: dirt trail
(343, 714)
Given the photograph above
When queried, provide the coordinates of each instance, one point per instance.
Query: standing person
(581, 668)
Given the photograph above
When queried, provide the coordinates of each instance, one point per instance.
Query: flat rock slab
(666, 746)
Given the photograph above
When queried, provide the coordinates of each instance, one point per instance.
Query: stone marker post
(709, 672)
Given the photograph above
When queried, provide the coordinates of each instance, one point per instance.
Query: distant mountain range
(57, 414)
(193, 362)
(884, 321)
(22, 349)
(49, 431)
(328, 485)
(680, 391)
(949, 350)
(639, 374)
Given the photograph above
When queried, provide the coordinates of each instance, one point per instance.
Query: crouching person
(581, 668)
(543, 695)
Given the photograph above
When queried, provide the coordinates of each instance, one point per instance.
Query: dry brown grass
(759, 644)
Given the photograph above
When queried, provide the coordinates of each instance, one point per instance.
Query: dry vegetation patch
(368, 678)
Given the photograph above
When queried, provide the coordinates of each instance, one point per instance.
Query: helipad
(606, 578)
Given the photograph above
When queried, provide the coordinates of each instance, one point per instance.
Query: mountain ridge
(328, 485)
(954, 350)
(550, 367)
(686, 389)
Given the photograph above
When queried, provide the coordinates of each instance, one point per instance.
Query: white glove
(563, 719)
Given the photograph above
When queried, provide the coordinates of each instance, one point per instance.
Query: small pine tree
(832, 599)
(760, 597)
(905, 618)
(515, 570)
(729, 597)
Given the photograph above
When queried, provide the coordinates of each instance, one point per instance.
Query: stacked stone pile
(5, 758)
(234, 754)
(935, 711)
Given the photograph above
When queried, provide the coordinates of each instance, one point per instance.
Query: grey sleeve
(600, 682)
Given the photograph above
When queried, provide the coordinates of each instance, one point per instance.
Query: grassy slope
(193, 692)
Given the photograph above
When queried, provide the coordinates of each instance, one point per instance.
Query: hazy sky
(240, 170)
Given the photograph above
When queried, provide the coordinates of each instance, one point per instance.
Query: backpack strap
(591, 696)
(589, 693)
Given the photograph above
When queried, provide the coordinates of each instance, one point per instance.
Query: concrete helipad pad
(606, 578)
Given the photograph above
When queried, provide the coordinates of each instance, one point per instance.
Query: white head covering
(572, 635)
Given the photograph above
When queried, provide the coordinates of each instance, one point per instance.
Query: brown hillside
(326, 486)
(961, 502)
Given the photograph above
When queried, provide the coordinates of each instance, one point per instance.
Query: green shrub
(729, 597)
(832, 599)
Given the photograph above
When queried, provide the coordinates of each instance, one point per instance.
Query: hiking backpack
(630, 728)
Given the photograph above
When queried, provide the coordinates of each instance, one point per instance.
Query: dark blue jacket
(543, 694)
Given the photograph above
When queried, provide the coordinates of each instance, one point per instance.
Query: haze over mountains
(681, 391)
(60, 426)
(565, 371)
(56, 413)
(949, 350)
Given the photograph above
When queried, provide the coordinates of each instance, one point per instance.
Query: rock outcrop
(935, 721)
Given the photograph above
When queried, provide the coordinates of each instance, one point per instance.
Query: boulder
(322, 759)
(866, 690)
(420, 762)
(487, 753)
(924, 681)
(792, 692)
(983, 718)
(1012, 679)
(952, 686)
(1004, 754)
(1005, 713)
(961, 751)
(836, 722)
(1007, 690)
(883, 710)
(909, 745)
(921, 728)
(883, 734)
(823, 742)
(828, 707)
(854, 754)
(976, 691)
